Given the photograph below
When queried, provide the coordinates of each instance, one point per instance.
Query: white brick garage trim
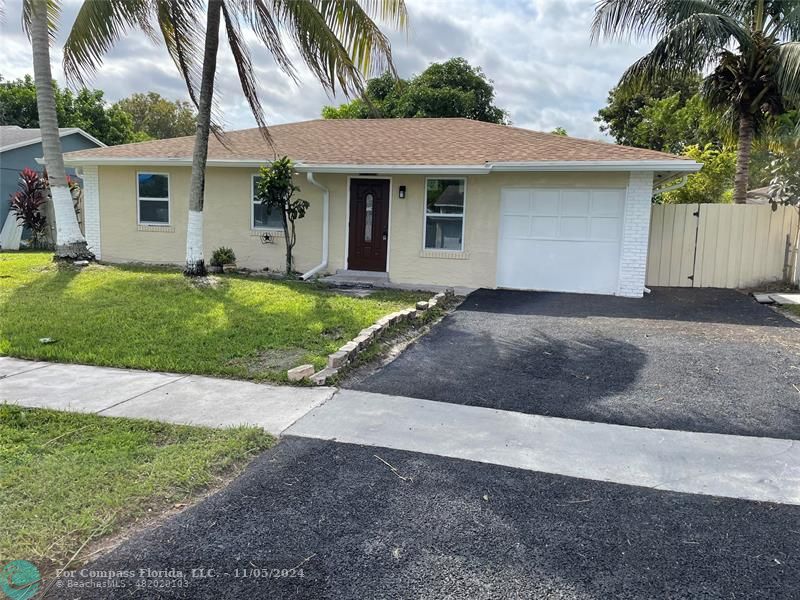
(635, 234)
(91, 209)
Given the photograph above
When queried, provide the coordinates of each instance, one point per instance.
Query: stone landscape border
(365, 338)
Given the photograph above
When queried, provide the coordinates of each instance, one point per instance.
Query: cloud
(538, 53)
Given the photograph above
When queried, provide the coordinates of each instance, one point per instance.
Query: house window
(263, 217)
(152, 192)
(444, 214)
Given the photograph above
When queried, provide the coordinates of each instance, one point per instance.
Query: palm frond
(244, 66)
(183, 34)
(338, 40)
(742, 9)
(97, 28)
(367, 45)
(264, 25)
(389, 12)
(788, 71)
(786, 21)
(53, 16)
(640, 19)
(322, 52)
(688, 47)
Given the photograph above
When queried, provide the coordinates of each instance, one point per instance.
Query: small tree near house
(275, 190)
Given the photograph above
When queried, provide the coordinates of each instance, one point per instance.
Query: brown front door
(369, 224)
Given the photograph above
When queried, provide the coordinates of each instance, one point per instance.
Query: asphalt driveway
(692, 359)
(316, 519)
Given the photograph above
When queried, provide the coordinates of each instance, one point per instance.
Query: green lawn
(155, 318)
(68, 478)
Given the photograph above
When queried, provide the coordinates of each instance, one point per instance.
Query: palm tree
(195, 264)
(749, 48)
(337, 39)
(70, 243)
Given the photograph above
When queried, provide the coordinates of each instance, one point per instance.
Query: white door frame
(388, 225)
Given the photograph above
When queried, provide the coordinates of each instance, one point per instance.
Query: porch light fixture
(402, 191)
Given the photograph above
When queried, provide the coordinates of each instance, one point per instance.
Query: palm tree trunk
(70, 243)
(741, 180)
(195, 264)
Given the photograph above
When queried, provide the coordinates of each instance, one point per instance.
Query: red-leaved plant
(27, 203)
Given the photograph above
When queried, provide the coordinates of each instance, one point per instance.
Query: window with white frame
(152, 196)
(262, 217)
(444, 214)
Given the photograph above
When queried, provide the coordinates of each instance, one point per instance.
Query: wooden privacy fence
(722, 245)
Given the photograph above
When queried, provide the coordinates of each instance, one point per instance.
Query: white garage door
(565, 240)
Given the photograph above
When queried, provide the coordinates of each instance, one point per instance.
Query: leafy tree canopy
(133, 119)
(673, 124)
(85, 109)
(784, 152)
(450, 89)
(158, 117)
(672, 116)
(668, 116)
(748, 49)
(712, 183)
(784, 186)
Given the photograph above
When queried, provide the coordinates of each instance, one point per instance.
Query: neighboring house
(434, 202)
(19, 148)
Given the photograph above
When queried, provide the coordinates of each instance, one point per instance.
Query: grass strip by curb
(67, 478)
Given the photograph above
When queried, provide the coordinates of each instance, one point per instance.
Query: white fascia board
(678, 166)
(598, 165)
(299, 166)
(157, 162)
(91, 138)
(21, 144)
(544, 165)
(62, 133)
(398, 169)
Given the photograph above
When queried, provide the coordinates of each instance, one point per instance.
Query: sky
(538, 53)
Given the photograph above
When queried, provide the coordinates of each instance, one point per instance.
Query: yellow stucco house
(423, 202)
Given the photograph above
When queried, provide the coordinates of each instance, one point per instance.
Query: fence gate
(721, 245)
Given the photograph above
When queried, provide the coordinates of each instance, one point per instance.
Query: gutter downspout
(674, 186)
(325, 201)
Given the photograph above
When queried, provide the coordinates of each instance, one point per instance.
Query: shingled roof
(446, 142)
(13, 136)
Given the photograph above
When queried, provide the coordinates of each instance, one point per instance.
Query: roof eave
(676, 165)
(62, 133)
(299, 166)
(81, 161)
(397, 169)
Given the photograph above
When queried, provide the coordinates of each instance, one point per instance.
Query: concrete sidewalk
(184, 399)
(750, 468)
